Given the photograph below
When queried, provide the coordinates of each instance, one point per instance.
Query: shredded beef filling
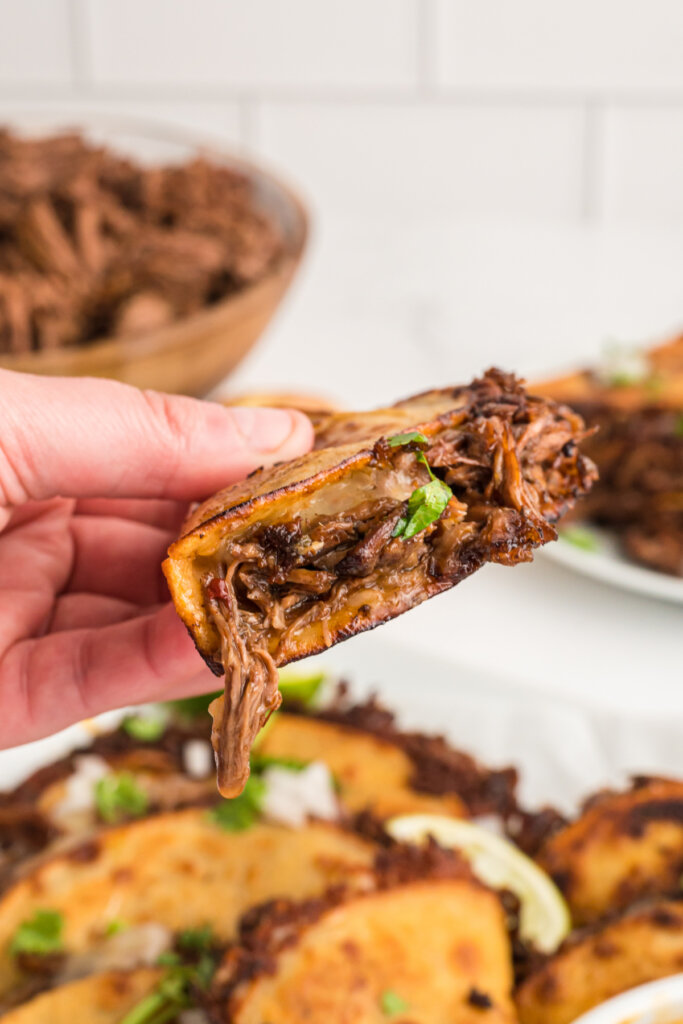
(512, 466)
(640, 491)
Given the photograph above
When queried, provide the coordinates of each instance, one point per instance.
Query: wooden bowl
(191, 355)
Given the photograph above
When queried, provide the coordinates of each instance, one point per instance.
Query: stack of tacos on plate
(392, 507)
(635, 399)
(133, 848)
(316, 895)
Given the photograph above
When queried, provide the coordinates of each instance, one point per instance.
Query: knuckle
(174, 423)
(17, 469)
(82, 664)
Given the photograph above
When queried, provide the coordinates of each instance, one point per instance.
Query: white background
(491, 181)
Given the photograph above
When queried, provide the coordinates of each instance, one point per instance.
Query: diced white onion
(141, 945)
(623, 365)
(194, 1016)
(491, 823)
(197, 759)
(79, 792)
(293, 796)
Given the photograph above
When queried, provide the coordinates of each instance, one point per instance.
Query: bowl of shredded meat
(137, 252)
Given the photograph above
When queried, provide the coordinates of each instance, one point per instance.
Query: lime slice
(544, 920)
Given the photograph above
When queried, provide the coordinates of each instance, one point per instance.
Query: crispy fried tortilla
(100, 999)
(39, 814)
(372, 773)
(638, 449)
(657, 380)
(393, 507)
(624, 847)
(429, 950)
(179, 870)
(376, 766)
(379, 768)
(644, 944)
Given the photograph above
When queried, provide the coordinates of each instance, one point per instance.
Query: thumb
(83, 437)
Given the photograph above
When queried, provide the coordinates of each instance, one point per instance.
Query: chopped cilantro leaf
(400, 527)
(168, 959)
(391, 1002)
(193, 707)
(654, 384)
(196, 939)
(425, 505)
(175, 991)
(144, 728)
(260, 762)
(580, 538)
(204, 970)
(623, 379)
(115, 926)
(149, 1009)
(300, 689)
(119, 796)
(40, 934)
(622, 366)
(413, 437)
(242, 811)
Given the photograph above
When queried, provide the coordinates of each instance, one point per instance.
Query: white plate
(658, 1002)
(609, 565)
(564, 749)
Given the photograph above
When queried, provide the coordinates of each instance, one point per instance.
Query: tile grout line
(591, 163)
(80, 65)
(248, 122)
(599, 158)
(388, 96)
(425, 49)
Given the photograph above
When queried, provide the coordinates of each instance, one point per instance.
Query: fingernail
(264, 430)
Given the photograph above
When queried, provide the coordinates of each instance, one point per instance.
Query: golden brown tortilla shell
(624, 847)
(372, 773)
(643, 945)
(99, 999)
(179, 870)
(430, 943)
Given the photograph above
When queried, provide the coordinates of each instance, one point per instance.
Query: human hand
(95, 480)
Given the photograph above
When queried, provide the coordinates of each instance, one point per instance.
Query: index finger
(53, 681)
(166, 514)
(86, 438)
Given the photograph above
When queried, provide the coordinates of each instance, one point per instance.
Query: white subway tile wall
(575, 46)
(259, 43)
(642, 166)
(424, 159)
(35, 42)
(513, 108)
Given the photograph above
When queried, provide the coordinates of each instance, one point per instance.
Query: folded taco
(392, 507)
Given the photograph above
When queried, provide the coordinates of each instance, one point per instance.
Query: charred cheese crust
(99, 999)
(304, 555)
(179, 870)
(438, 941)
(625, 846)
(346, 469)
(644, 944)
(372, 773)
(638, 449)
